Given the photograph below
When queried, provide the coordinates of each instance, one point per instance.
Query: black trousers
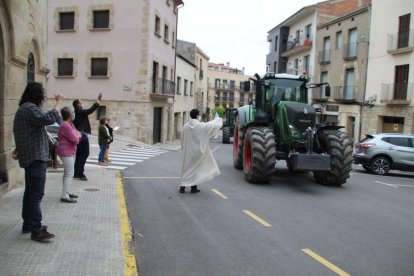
(35, 178)
(82, 153)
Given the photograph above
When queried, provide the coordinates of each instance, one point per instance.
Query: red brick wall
(333, 8)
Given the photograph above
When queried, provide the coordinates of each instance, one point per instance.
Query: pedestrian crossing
(126, 157)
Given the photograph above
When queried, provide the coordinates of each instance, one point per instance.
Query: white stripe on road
(138, 153)
(386, 184)
(215, 148)
(145, 151)
(123, 158)
(105, 167)
(112, 163)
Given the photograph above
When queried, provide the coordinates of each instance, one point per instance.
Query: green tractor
(228, 125)
(281, 125)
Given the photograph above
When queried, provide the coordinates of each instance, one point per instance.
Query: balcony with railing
(222, 87)
(162, 88)
(347, 94)
(396, 93)
(401, 42)
(350, 51)
(297, 45)
(325, 57)
(318, 94)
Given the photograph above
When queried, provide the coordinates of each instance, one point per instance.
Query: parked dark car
(380, 153)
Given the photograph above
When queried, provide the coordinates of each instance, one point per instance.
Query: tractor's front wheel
(226, 135)
(339, 146)
(238, 142)
(259, 155)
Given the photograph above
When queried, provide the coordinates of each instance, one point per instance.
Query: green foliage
(220, 110)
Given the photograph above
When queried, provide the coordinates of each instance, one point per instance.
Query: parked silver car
(380, 153)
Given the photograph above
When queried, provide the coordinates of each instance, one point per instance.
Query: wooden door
(156, 128)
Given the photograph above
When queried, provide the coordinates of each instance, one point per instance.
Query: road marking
(325, 262)
(89, 165)
(215, 148)
(130, 265)
(219, 194)
(386, 184)
(151, 177)
(259, 220)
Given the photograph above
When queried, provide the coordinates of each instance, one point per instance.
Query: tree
(220, 110)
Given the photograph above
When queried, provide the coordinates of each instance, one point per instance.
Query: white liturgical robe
(199, 165)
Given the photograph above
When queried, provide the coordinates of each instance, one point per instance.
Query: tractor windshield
(285, 90)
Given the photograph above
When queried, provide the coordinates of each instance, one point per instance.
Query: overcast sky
(235, 31)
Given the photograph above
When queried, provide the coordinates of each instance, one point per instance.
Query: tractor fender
(243, 114)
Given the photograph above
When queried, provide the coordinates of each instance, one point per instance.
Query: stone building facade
(22, 59)
(124, 49)
(389, 93)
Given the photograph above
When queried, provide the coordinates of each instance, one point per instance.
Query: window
(351, 52)
(404, 31)
(241, 98)
(270, 46)
(217, 83)
(30, 68)
(276, 42)
(173, 39)
(297, 36)
(185, 87)
(324, 78)
(155, 66)
(66, 20)
(101, 19)
(401, 82)
(65, 67)
(306, 61)
(191, 88)
(275, 67)
(308, 31)
(157, 25)
(232, 84)
(398, 141)
(349, 87)
(99, 67)
(166, 31)
(179, 85)
(338, 41)
(296, 66)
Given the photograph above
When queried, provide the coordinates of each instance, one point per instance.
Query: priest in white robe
(199, 165)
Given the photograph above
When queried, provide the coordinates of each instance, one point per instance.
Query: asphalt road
(291, 226)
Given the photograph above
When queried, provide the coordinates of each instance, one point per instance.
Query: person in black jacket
(82, 124)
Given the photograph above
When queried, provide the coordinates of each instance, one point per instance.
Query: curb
(130, 264)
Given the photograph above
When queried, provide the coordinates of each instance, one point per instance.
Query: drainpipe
(366, 76)
(175, 63)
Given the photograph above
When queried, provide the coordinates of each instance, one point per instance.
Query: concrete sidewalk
(93, 236)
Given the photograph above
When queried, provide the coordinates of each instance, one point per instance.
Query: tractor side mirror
(246, 86)
(327, 91)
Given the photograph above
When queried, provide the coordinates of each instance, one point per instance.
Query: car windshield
(286, 90)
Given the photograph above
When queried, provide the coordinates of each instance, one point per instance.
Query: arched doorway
(30, 68)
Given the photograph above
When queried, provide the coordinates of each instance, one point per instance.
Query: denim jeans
(101, 157)
(35, 178)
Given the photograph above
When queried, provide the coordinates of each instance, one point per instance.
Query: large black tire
(380, 165)
(339, 146)
(259, 155)
(226, 135)
(238, 142)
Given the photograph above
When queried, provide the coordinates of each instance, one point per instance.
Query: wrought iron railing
(350, 51)
(346, 93)
(163, 86)
(325, 56)
(318, 94)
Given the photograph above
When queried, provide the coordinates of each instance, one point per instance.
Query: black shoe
(182, 190)
(83, 178)
(68, 200)
(26, 229)
(42, 235)
(73, 196)
(194, 189)
(76, 177)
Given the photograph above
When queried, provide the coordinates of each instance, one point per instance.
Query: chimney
(228, 64)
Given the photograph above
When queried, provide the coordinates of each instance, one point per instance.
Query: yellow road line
(325, 262)
(130, 264)
(259, 220)
(151, 177)
(219, 194)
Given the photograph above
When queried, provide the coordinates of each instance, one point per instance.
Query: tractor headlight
(294, 132)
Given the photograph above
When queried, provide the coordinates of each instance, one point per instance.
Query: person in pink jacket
(69, 138)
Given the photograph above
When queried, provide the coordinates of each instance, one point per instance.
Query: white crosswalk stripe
(126, 157)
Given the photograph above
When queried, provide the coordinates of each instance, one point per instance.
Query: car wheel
(380, 165)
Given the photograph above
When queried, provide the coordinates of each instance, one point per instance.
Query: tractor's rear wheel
(238, 142)
(226, 135)
(339, 146)
(259, 155)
